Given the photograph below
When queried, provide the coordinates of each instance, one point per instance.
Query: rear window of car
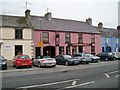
(78, 55)
(24, 57)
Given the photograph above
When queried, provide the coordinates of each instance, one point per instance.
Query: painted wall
(73, 40)
(110, 42)
(9, 42)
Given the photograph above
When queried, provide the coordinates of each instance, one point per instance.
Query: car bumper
(3, 66)
(47, 64)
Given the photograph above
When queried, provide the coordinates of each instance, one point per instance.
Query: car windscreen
(1, 58)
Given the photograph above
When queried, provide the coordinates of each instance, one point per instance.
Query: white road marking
(113, 72)
(91, 82)
(74, 82)
(117, 76)
(47, 84)
(107, 75)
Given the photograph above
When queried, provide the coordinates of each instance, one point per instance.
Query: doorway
(108, 49)
(80, 49)
(49, 51)
(18, 49)
(37, 51)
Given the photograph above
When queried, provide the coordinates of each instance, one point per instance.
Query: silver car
(94, 58)
(44, 61)
(83, 57)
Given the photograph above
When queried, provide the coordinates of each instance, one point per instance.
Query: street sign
(40, 44)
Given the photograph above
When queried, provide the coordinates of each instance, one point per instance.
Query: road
(92, 76)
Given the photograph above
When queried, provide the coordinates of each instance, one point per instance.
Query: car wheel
(39, 65)
(16, 67)
(66, 63)
(87, 62)
(53, 65)
(13, 65)
(92, 61)
(30, 66)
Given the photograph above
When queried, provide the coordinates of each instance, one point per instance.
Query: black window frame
(45, 38)
(18, 34)
(80, 38)
(61, 50)
(67, 38)
(93, 38)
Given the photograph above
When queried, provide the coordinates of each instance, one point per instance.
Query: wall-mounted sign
(40, 44)
(7, 47)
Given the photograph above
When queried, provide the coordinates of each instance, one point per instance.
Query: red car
(22, 60)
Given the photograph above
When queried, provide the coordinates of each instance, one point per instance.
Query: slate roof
(13, 21)
(57, 24)
(108, 32)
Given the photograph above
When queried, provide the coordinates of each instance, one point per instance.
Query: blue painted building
(118, 28)
(109, 38)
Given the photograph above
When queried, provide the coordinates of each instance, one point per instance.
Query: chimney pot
(27, 13)
(89, 21)
(48, 16)
(100, 25)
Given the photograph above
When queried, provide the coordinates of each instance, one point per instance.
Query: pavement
(9, 63)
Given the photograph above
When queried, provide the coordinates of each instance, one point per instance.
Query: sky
(105, 11)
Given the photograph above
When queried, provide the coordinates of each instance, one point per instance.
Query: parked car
(44, 61)
(94, 58)
(3, 63)
(22, 60)
(66, 60)
(116, 55)
(107, 56)
(83, 57)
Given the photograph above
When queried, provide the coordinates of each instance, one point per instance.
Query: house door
(80, 49)
(49, 51)
(108, 49)
(18, 49)
(37, 51)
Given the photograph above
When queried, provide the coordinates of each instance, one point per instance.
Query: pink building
(53, 36)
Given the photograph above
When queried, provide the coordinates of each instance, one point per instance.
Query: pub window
(67, 38)
(74, 50)
(68, 50)
(80, 38)
(92, 38)
(93, 50)
(61, 50)
(18, 34)
(45, 36)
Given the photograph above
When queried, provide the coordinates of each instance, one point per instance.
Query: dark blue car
(66, 60)
(3, 63)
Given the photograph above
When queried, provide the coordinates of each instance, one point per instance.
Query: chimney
(89, 21)
(27, 14)
(48, 16)
(100, 25)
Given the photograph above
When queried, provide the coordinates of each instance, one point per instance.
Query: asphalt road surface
(92, 76)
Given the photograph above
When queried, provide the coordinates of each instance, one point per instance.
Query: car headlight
(4, 63)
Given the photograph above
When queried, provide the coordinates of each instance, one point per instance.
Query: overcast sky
(105, 11)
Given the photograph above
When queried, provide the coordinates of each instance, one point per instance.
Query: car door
(88, 58)
(57, 59)
(61, 60)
